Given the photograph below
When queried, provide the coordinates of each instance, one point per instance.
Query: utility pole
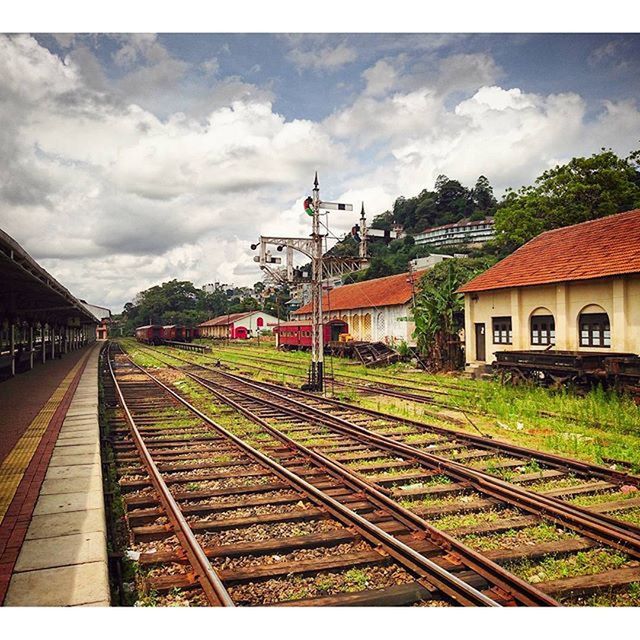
(316, 378)
(312, 248)
(363, 235)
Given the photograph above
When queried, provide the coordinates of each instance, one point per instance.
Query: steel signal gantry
(312, 248)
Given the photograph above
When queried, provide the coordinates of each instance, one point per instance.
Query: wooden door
(481, 349)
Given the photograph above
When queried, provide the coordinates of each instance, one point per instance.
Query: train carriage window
(502, 331)
(543, 330)
(595, 330)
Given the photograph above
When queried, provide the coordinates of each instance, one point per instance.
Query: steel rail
(209, 580)
(602, 529)
(408, 396)
(433, 576)
(515, 587)
(552, 459)
(628, 532)
(339, 373)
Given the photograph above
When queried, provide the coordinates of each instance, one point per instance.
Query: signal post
(312, 248)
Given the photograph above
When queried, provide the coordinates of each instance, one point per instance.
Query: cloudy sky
(127, 160)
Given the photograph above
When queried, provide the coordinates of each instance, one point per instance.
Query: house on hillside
(375, 310)
(465, 232)
(572, 289)
(237, 325)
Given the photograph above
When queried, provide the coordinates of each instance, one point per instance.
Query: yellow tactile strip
(15, 464)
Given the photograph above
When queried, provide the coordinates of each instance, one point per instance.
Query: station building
(571, 289)
(39, 318)
(237, 325)
(377, 310)
(103, 315)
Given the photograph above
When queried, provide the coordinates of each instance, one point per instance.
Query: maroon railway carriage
(297, 334)
(150, 334)
(177, 333)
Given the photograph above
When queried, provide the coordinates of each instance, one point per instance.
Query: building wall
(460, 234)
(619, 297)
(249, 322)
(381, 324)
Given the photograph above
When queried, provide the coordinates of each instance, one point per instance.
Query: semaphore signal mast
(312, 248)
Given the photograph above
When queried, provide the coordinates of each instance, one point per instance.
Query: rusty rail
(434, 576)
(502, 580)
(598, 527)
(209, 580)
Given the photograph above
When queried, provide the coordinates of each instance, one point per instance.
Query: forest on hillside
(584, 188)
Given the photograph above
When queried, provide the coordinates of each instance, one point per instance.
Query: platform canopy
(29, 293)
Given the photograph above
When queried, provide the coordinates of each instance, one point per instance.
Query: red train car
(150, 334)
(297, 334)
(177, 333)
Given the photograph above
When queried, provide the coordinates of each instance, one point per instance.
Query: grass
(598, 425)
(625, 597)
(438, 501)
(539, 534)
(630, 515)
(466, 520)
(599, 498)
(579, 564)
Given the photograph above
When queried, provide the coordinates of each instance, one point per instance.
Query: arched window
(543, 328)
(380, 326)
(260, 321)
(355, 326)
(366, 326)
(594, 328)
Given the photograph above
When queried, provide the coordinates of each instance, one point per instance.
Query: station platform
(53, 547)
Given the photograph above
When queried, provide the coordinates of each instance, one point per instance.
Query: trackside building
(237, 325)
(571, 289)
(375, 310)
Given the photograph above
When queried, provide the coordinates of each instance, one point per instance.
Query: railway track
(387, 385)
(449, 485)
(455, 445)
(378, 384)
(377, 376)
(259, 529)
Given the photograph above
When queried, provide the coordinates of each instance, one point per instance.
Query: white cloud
(328, 58)
(96, 183)
(381, 77)
(210, 66)
(117, 185)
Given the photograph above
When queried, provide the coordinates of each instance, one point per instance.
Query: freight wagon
(578, 368)
(177, 333)
(297, 334)
(156, 334)
(150, 334)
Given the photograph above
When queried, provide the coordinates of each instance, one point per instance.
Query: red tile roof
(227, 319)
(595, 249)
(381, 292)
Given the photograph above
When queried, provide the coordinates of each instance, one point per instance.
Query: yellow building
(571, 289)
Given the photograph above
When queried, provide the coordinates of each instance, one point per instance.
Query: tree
(439, 310)
(483, 199)
(583, 189)
(453, 201)
(383, 221)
